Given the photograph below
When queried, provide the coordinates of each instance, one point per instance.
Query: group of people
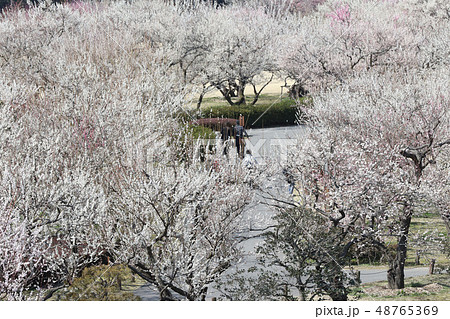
(237, 132)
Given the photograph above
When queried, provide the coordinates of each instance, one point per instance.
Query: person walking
(239, 133)
(225, 135)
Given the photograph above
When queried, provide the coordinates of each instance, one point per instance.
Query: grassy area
(426, 233)
(271, 110)
(431, 287)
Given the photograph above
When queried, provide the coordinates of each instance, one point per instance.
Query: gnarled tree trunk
(240, 93)
(396, 272)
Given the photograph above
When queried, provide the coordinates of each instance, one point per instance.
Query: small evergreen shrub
(197, 131)
(99, 283)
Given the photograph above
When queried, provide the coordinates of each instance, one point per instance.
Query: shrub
(282, 113)
(368, 254)
(202, 132)
(99, 283)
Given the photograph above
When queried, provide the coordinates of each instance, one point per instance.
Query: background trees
(372, 153)
(223, 49)
(344, 39)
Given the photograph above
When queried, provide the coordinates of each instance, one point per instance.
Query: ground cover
(102, 283)
(424, 288)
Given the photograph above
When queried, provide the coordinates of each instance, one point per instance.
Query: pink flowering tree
(345, 38)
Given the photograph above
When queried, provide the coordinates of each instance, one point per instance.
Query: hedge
(199, 132)
(282, 113)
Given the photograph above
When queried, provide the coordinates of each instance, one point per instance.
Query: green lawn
(430, 287)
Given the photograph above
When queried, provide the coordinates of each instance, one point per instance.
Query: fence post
(431, 269)
(417, 258)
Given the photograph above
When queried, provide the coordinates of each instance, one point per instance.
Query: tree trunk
(240, 94)
(199, 102)
(417, 262)
(233, 89)
(431, 268)
(302, 294)
(257, 93)
(297, 91)
(338, 291)
(301, 289)
(226, 92)
(165, 294)
(334, 286)
(339, 296)
(396, 272)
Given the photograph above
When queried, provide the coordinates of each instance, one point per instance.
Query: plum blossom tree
(175, 223)
(305, 7)
(223, 49)
(95, 162)
(21, 254)
(244, 52)
(307, 253)
(299, 259)
(373, 156)
(376, 152)
(50, 155)
(281, 7)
